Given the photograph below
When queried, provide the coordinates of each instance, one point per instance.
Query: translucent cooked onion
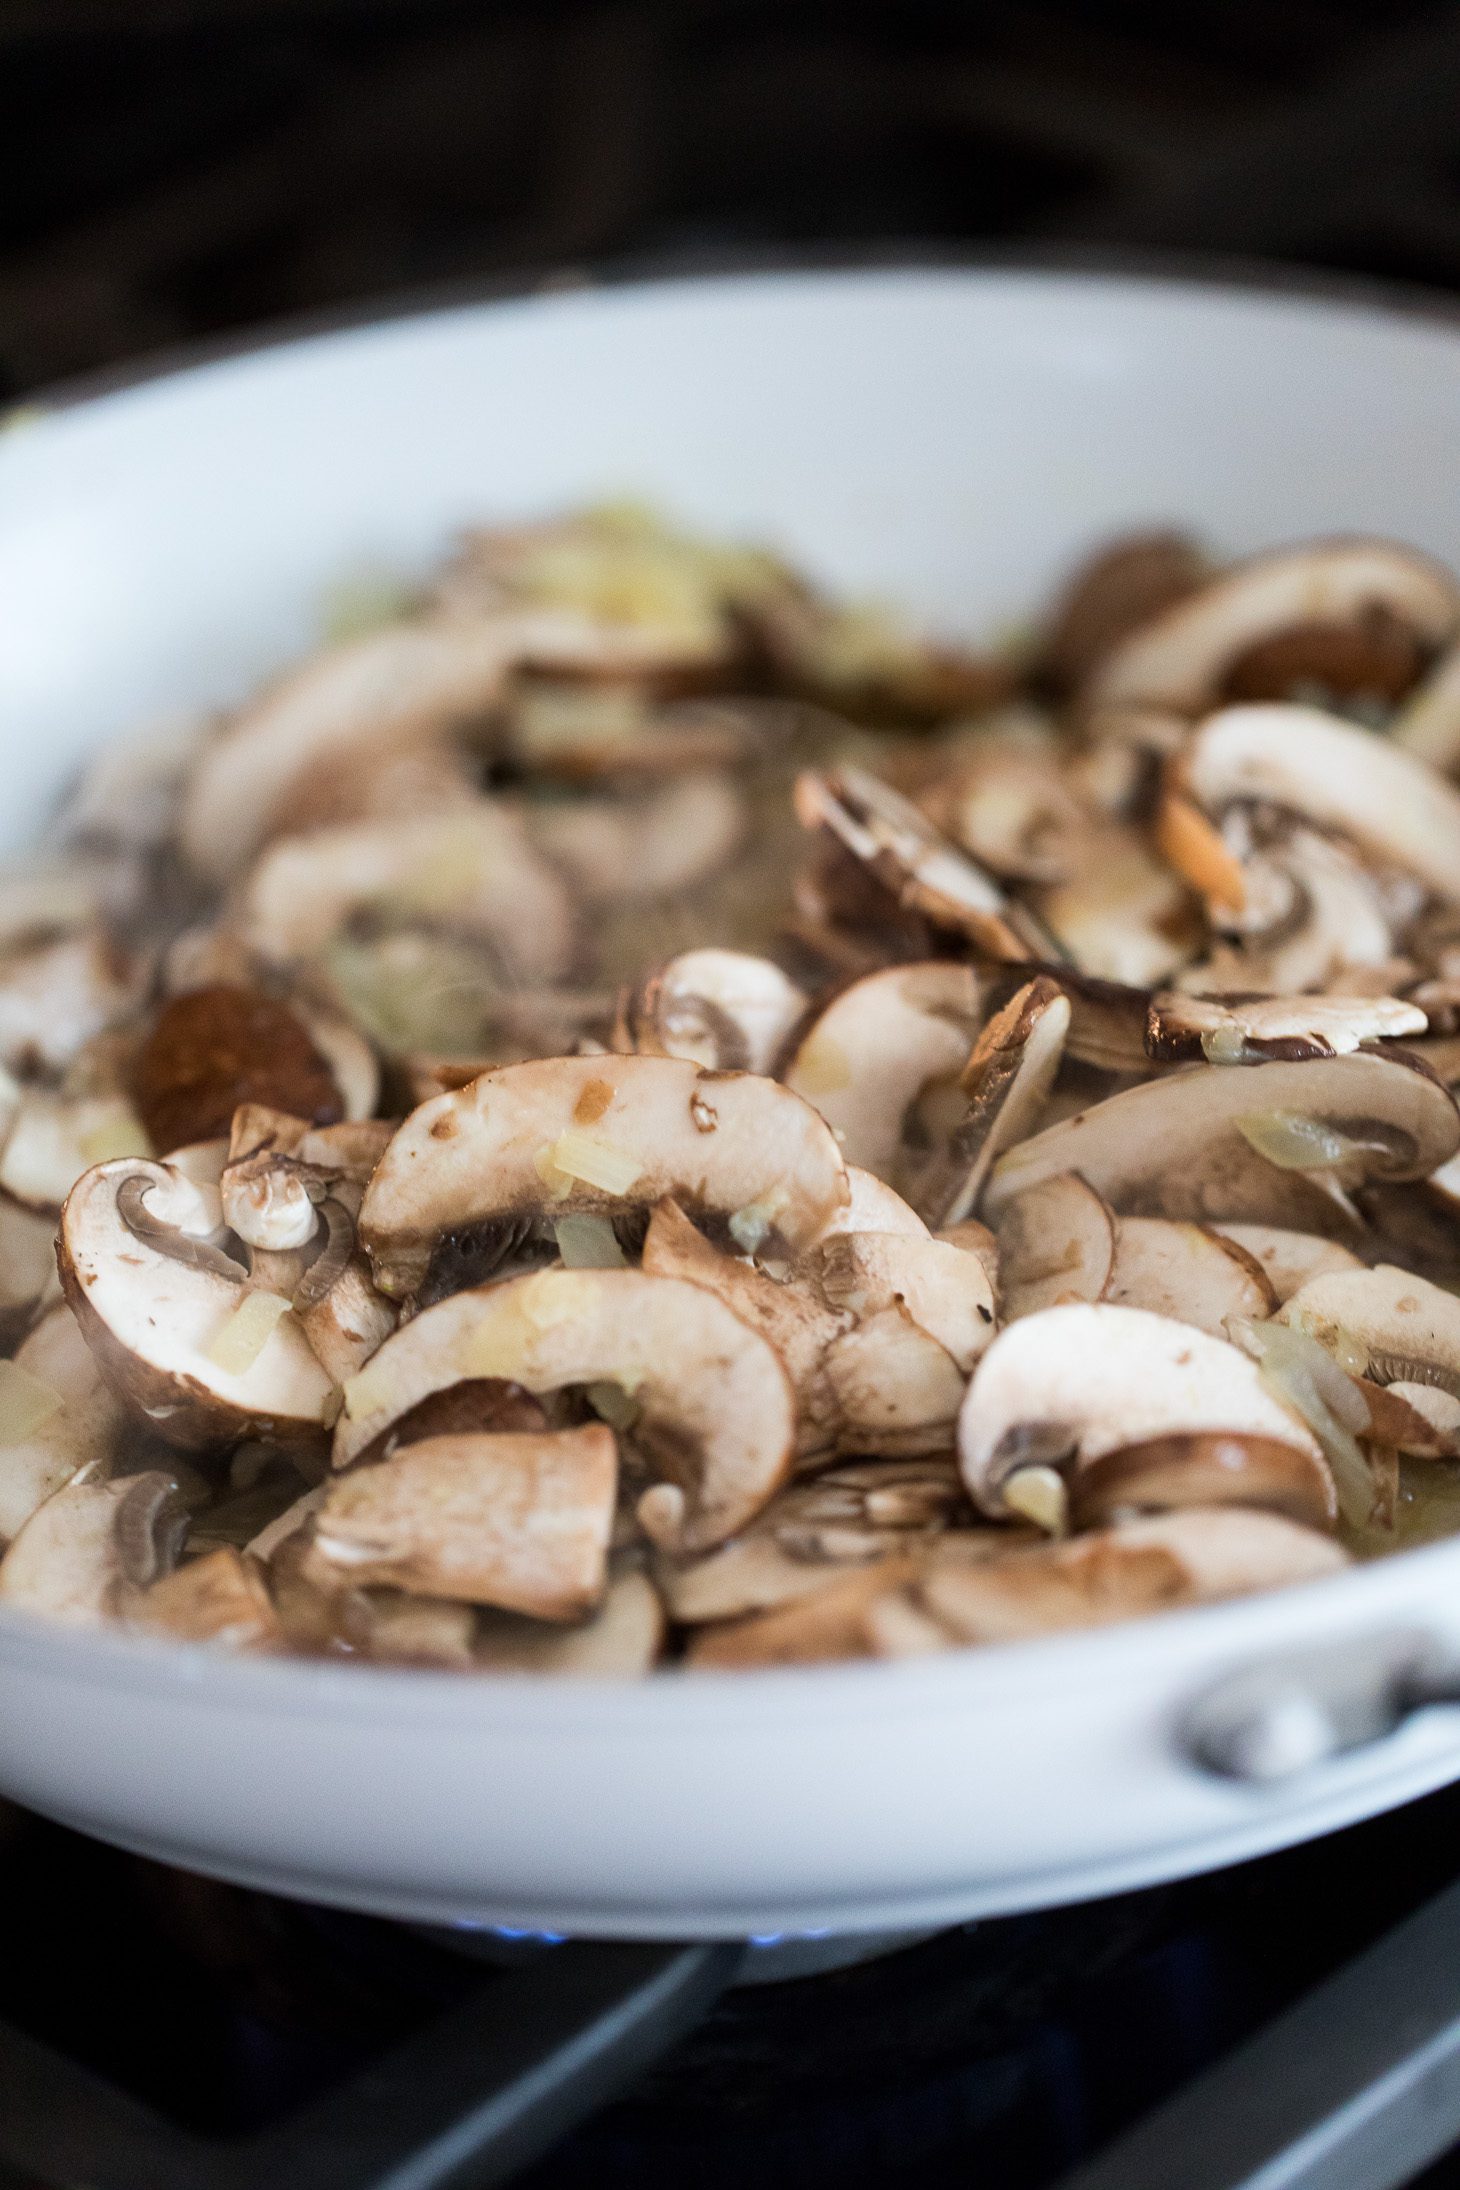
(1038, 1495)
(1228, 1046)
(1295, 1142)
(597, 1163)
(589, 1242)
(25, 1402)
(243, 1334)
(1307, 1379)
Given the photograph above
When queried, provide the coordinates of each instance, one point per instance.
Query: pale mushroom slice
(944, 1290)
(55, 1137)
(522, 1522)
(622, 1641)
(882, 1055)
(1428, 723)
(170, 1319)
(1117, 590)
(611, 1135)
(1056, 1244)
(1327, 594)
(818, 1627)
(1337, 777)
(650, 844)
(28, 1279)
(713, 1411)
(220, 1598)
(1009, 807)
(1187, 1144)
(1007, 1081)
(392, 1628)
(1302, 914)
(896, 1387)
(1229, 1030)
(1060, 1389)
(1155, 1564)
(57, 1416)
(727, 1011)
(1288, 1259)
(898, 848)
(59, 993)
(471, 871)
(872, 1206)
(90, 1543)
(1406, 1330)
(1186, 1271)
(1189, 1468)
(1122, 916)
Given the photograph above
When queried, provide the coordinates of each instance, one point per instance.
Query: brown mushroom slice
(471, 870)
(211, 1049)
(621, 1642)
(652, 844)
(89, 1543)
(898, 847)
(1204, 1468)
(1007, 1080)
(153, 1319)
(1064, 1387)
(55, 1138)
(1156, 1564)
(1420, 1420)
(972, 1237)
(1339, 778)
(897, 1389)
(1183, 1145)
(1311, 915)
(608, 1134)
(945, 1290)
(1241, 1030)
(220, 1598)
(517, 1521)
(1010, 809)
(57, 1416)
(872, 1206)
(724, 1010)
(1186, 1271)
(1184, 657)
(817, 1628)
(1123, 916)
(1117, 590)
(1408, 1330)
(1288, 1259)
(880, 1047)
(715, 1410)
(394, 1629)
(1056, 1244)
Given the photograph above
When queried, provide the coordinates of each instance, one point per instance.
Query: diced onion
(1306, 1378)
(25, 1402)
(588, 1242)
(243, 1334)
(118, 1133)
(596, 1163)
(1226, 1045)
(750, 1227)
(613, 1405)
(1039, 1495)
(1293, 1141)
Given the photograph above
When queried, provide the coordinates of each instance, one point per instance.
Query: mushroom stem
(167, 1239)
(333, 1259)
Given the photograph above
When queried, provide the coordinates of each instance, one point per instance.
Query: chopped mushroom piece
(1187, 1272)
(621, 1641)
(64, 1417)
(725, 1011)
(219, 1599)
(1007, 1080)
(1230, 1030)
(1056, 1243)
(91, 1542)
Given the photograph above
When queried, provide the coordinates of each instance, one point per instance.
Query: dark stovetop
(995, 2055)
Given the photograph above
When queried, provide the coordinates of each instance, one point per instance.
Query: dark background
(179, 168)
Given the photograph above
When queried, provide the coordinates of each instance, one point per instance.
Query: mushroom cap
(1287, 1258)
(520, 1521)
(1056, 1244)
(1181, 657)
(1182, 1028)
(1336, 776)
(724, 1010)
(1205, 1468)
(471, 869)
(880, 1044)
(1173, 1147)
(149, 1320)
(721, 1144)
(1409, 1328)
(1086, 1379)
(716, 1409)
(1188, 1272)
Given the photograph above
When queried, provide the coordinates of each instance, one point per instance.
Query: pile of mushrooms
(626, 1113)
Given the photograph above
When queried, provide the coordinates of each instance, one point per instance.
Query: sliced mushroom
(57, 995)
(1123, 917)
(945, 1290)
(586, 733)
(609, 1134)
(517, 1521)
(1188, 1272)
(152, 1297)
(28, 1279)
(725, 1011)
(651, 845)
(715, 1410)
(1204, 1468)
(1335, 776)
(1118, 590)
(1007, 1080)
(1184, 1145)
(897, 1388)
(620, 1642)
(1334, 593)
(471, 871)
(220, 1598)
(1241, 1030)
(872, 1206)
(884, 1053)
(1289, 1259)
(90, 1543)
(822, 1625)
(1428, 724)
(1011, 810)
(212, 1049)
(1408, 1330)
(395, 1629)
(57, 1416)
(1309, 915)
(55, 1138)
(1056, 1244)
(1064, 1387)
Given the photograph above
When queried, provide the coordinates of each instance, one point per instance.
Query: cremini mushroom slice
(154, 1297)
(1309, 914)
(1010, 809)
(645, 845)
(58, 994)
(1337, 777)
(1056, 1244)
(57, 1416)
(1241, 1030)
(1187, 1144)
(522, 1522)
(1007, 1080)
(1117, 590)
(90, 1543)
(1204, 1468)
(1062, 1388)
(220, 1598)
(1123, 916)
(392, 1628)
(1427, 724)
(1188, 1272)
(621, 1642)
(1149, 1565)
(884, 1054)
(28, 1279)
(471, 871)
(1288, 1259)
(726, 1011)
(54, 1138)
(211, 1049)
(897, 1389)
(1334, 602)
(1406, 1329)
(608, 1134)
(945, 1290)
(820, 1626)
(872, 1206)
(714, 1412)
